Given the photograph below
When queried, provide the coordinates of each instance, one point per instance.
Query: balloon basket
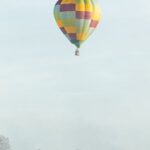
(77, 53)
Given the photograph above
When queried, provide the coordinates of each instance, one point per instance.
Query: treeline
(4, 143)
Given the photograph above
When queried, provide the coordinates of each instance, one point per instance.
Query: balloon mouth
(76, 43)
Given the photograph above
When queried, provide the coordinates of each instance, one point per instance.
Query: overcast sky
(52, 100)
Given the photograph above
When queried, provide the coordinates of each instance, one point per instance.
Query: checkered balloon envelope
(77, 19)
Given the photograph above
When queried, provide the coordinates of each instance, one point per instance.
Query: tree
(4, 143)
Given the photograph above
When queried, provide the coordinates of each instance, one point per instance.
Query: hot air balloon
(77, 19)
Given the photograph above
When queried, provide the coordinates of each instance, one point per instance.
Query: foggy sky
(52, 100)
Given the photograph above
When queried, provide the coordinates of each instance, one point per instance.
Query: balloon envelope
(77, 19)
